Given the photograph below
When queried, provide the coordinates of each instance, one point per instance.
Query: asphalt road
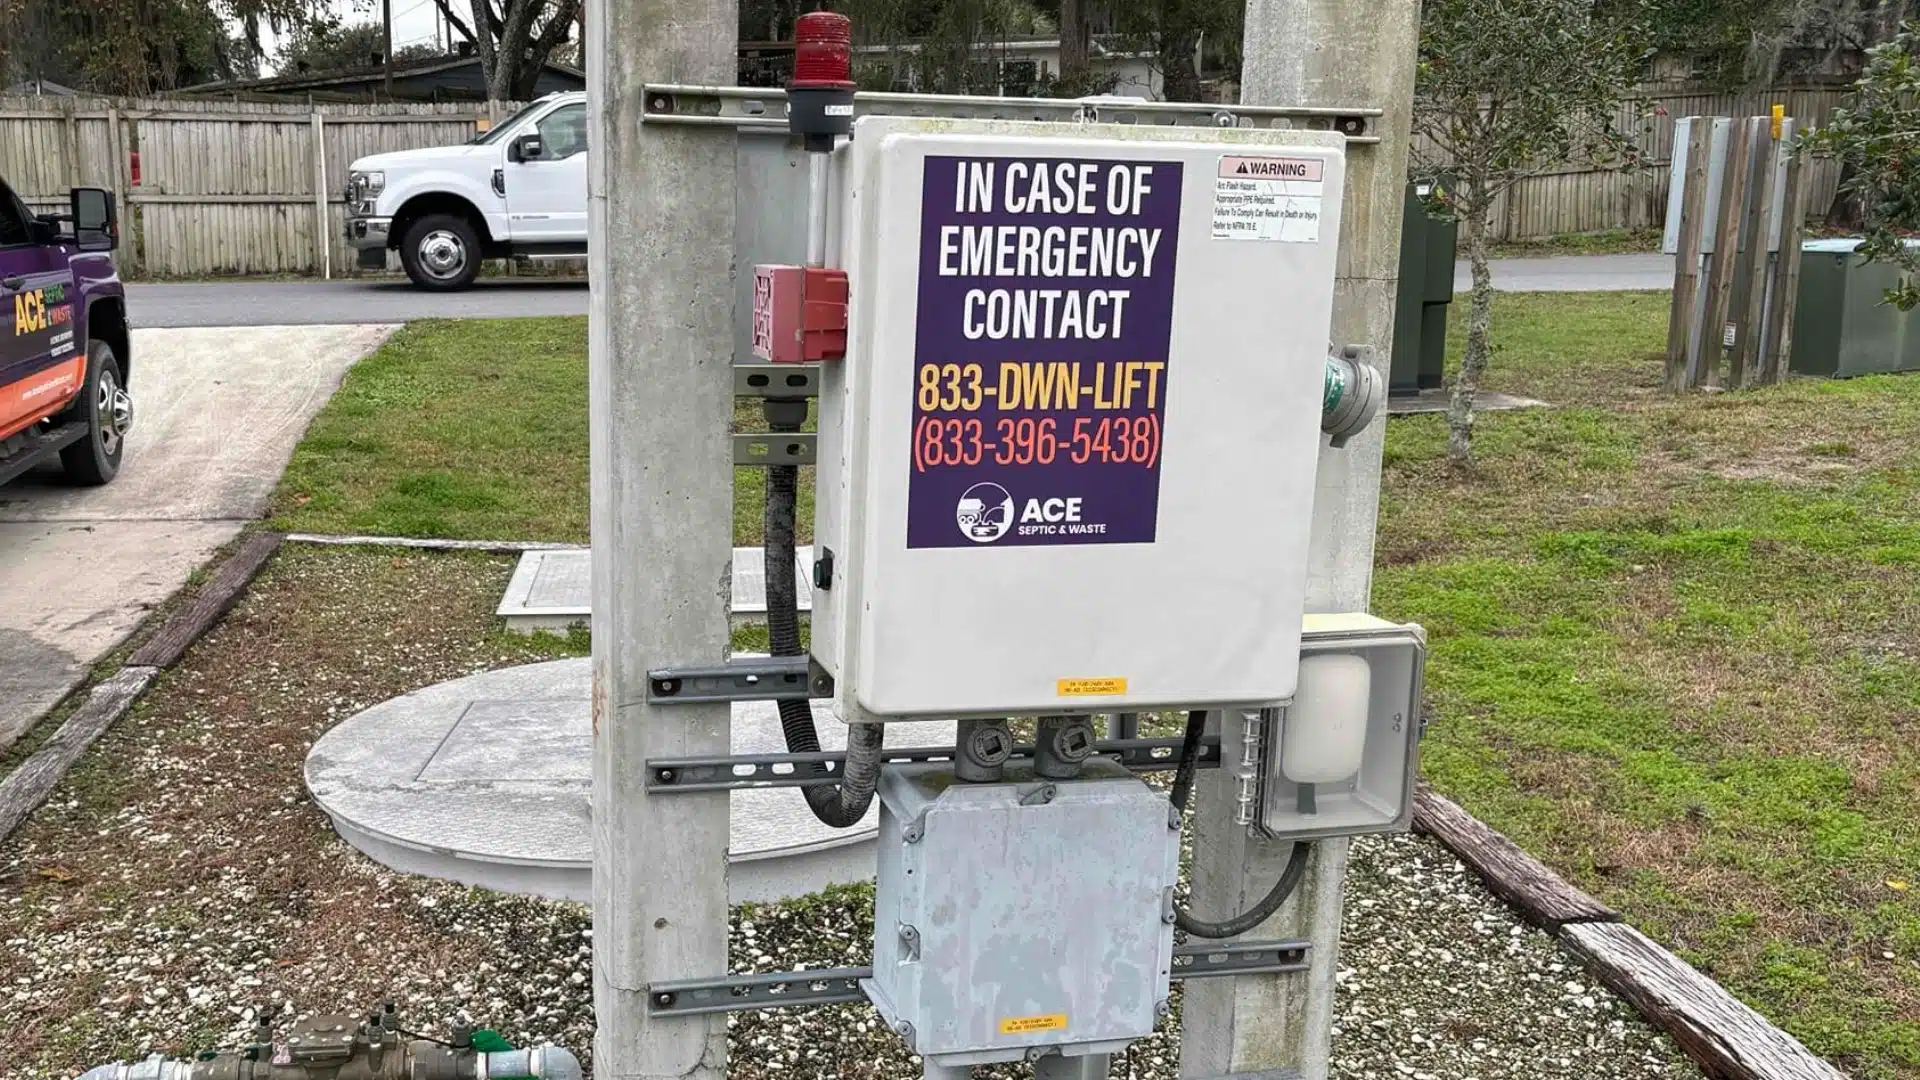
(216, 415)
(1574, 273)
(286, 303)
(341, 303)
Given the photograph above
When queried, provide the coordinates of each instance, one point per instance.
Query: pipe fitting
(1353, 394)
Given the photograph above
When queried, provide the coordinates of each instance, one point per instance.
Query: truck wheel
(108, 411)
(441, 252)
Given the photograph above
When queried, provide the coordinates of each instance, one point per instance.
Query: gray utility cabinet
(1427, 246)
(972, 966)
(1841, 326)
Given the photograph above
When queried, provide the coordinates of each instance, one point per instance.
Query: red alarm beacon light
(820, 94)
(822, 52)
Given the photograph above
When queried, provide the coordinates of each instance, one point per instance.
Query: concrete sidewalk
(216, 415)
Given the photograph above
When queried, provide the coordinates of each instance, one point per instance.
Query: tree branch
(453, 20)
(548, 40)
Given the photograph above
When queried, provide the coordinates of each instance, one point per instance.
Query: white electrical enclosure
(1344, 760)
(1067, 464)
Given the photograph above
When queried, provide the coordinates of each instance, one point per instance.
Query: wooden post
(1786, 289)
(1686, 261)
(1750, 316)
(1726, 248)
(117, 181)
(75, 175)
(323, 232)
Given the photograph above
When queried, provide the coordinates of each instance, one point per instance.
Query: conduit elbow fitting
(1353, 394)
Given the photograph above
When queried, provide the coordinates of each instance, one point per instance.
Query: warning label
(1275, 199)
(1025, 1025)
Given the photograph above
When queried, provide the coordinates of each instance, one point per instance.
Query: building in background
(438, 78)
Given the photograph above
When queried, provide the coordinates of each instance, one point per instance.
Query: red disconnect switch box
(799, 314)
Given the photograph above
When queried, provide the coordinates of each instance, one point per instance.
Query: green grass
(1605, 242)
(1673, 647)
(471, 430)
(465, 429)
(1673, 654)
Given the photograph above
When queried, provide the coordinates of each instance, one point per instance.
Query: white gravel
(1437, 980)
(181, 879)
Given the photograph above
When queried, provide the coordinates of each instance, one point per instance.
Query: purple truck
(64, 354)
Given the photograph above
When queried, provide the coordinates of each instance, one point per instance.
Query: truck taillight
(133, 163)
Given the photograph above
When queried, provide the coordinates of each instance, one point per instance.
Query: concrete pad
(551, 590)
(73, 591)
(485, 780)
(217, 416)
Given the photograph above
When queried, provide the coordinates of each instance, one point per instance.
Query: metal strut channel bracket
(776, 380)
(750, 108)
(774, 449)
(666, 776)
(841, 986)
(766, 678)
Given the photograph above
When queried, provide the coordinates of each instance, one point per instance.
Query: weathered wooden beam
(1728, 1039)
(165, 648)
(498, 547)
(26, 787)
(1541, 896)
(1681, 331)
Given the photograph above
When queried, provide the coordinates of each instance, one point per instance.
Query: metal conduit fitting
(1353, 395)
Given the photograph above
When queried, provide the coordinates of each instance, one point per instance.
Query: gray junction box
(980, 962)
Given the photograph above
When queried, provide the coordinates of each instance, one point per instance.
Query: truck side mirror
(526, 148)
(96, 223)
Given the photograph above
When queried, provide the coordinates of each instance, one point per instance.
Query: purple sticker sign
(1040, 351)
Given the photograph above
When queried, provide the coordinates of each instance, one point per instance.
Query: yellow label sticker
(1023, 1025)
(1090, 687)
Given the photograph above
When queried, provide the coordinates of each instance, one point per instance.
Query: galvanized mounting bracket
(776, 448)
(666, 776)
(763, 678)
(776, 380)
(841, 986)
(750, 108)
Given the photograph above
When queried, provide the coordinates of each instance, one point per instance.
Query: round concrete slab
(485, 780)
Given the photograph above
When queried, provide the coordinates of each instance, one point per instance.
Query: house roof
(1097, 48)
(321, 80)
(41, 86)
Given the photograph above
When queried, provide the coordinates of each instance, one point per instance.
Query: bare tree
(514, 39)
(1505, 90)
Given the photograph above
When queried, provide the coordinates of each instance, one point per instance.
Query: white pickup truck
(518, 191)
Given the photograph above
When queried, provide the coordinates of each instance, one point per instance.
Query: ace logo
(31, 313)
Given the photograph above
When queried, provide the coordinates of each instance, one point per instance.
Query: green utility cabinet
(1841, 327)
(1426, 288)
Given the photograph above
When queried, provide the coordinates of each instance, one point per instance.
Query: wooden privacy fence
(1581, 199)
(224, 187)
(251, 188)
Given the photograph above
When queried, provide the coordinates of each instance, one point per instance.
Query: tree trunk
(1479, 341)
(483, 44)
(1179, 79)
(1075, 62)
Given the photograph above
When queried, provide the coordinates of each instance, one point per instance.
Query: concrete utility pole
(659, 351)
(1333, 53)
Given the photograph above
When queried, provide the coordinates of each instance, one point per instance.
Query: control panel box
(1067, 464)
(983, 965)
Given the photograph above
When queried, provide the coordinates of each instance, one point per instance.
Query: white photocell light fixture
(1344, 760)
